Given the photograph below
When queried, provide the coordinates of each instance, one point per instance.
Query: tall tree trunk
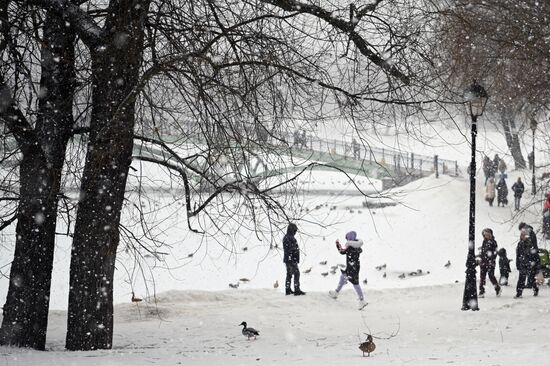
(96, 237)
(512, 139)
(25, 312)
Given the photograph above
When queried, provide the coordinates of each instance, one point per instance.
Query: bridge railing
(402, 162)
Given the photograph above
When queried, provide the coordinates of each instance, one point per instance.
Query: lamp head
(476, 97)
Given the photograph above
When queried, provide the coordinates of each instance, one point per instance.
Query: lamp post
(476, 99)
(533, 129)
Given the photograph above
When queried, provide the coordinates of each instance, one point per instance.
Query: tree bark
(115, 76)
(512, 139)
(25, 313)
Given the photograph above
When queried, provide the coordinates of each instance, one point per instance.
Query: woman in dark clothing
(352, 251)
(527, 263)
(291, 259)
(504, 267)
(488, 262)
(502, 192)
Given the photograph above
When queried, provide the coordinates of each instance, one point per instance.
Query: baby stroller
(544, 262)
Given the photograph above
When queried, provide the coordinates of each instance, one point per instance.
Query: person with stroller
(527, 264)
(518, 188)
(488, 262)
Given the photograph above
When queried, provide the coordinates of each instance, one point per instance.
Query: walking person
(502, 192)
(291, 254)
(487, 168)
(518, 188)
(527, 264)
(488, 262)
(504, 267)
(352, 250)
(356, 149)
(490, 191)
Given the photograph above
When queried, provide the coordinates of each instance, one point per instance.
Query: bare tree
(206, 88)
(503, 43)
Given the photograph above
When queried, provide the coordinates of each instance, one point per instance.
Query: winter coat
(504, 266)
(532, 236)
(352, 251)
(546, 205)
(527, 256)
(502, 190)
(502, 166)
(518, 189)
(488, 253)
(488, 167)
(291, 251)
(490, 190)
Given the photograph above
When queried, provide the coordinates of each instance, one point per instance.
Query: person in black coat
(527, 264)
(532, 234)
(488, 262)
(504, 267)
(518, 189)
(502, 192)
(291, 258)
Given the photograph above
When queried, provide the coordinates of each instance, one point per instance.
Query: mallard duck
(367, 346)
(249, 332)
(135, 299)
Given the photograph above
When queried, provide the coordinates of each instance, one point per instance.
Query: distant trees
(504, 44)
(199, 82)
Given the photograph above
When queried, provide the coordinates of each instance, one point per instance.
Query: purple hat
(351, 236)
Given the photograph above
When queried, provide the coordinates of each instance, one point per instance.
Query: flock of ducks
(333, 269)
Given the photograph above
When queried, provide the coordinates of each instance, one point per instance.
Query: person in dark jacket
(527, 264)
(488, 262)
(291, 254)
(504, 267)
(532, 234)
(352, 251)
(502, 192)
(518, 189)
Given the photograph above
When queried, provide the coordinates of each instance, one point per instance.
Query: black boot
(289, 292)
(298, 292)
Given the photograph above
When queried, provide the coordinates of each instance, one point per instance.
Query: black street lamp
(533, 128)
(476, 98)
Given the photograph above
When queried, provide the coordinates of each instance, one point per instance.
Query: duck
(402, 275)
(244, 279)
(324, 274)
(307, 270)
(323, 263)
(448, 264)
(276, 284)
(234, 285)
(249, 332)
(135, 299)
(367, 346)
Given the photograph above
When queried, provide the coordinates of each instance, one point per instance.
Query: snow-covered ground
(184, 324)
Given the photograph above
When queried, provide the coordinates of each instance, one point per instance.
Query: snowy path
(200, 328)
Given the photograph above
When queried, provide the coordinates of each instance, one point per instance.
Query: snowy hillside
(427, 229)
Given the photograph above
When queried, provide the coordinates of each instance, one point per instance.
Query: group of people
(527, 262)
(351, 249)
(499, 190)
